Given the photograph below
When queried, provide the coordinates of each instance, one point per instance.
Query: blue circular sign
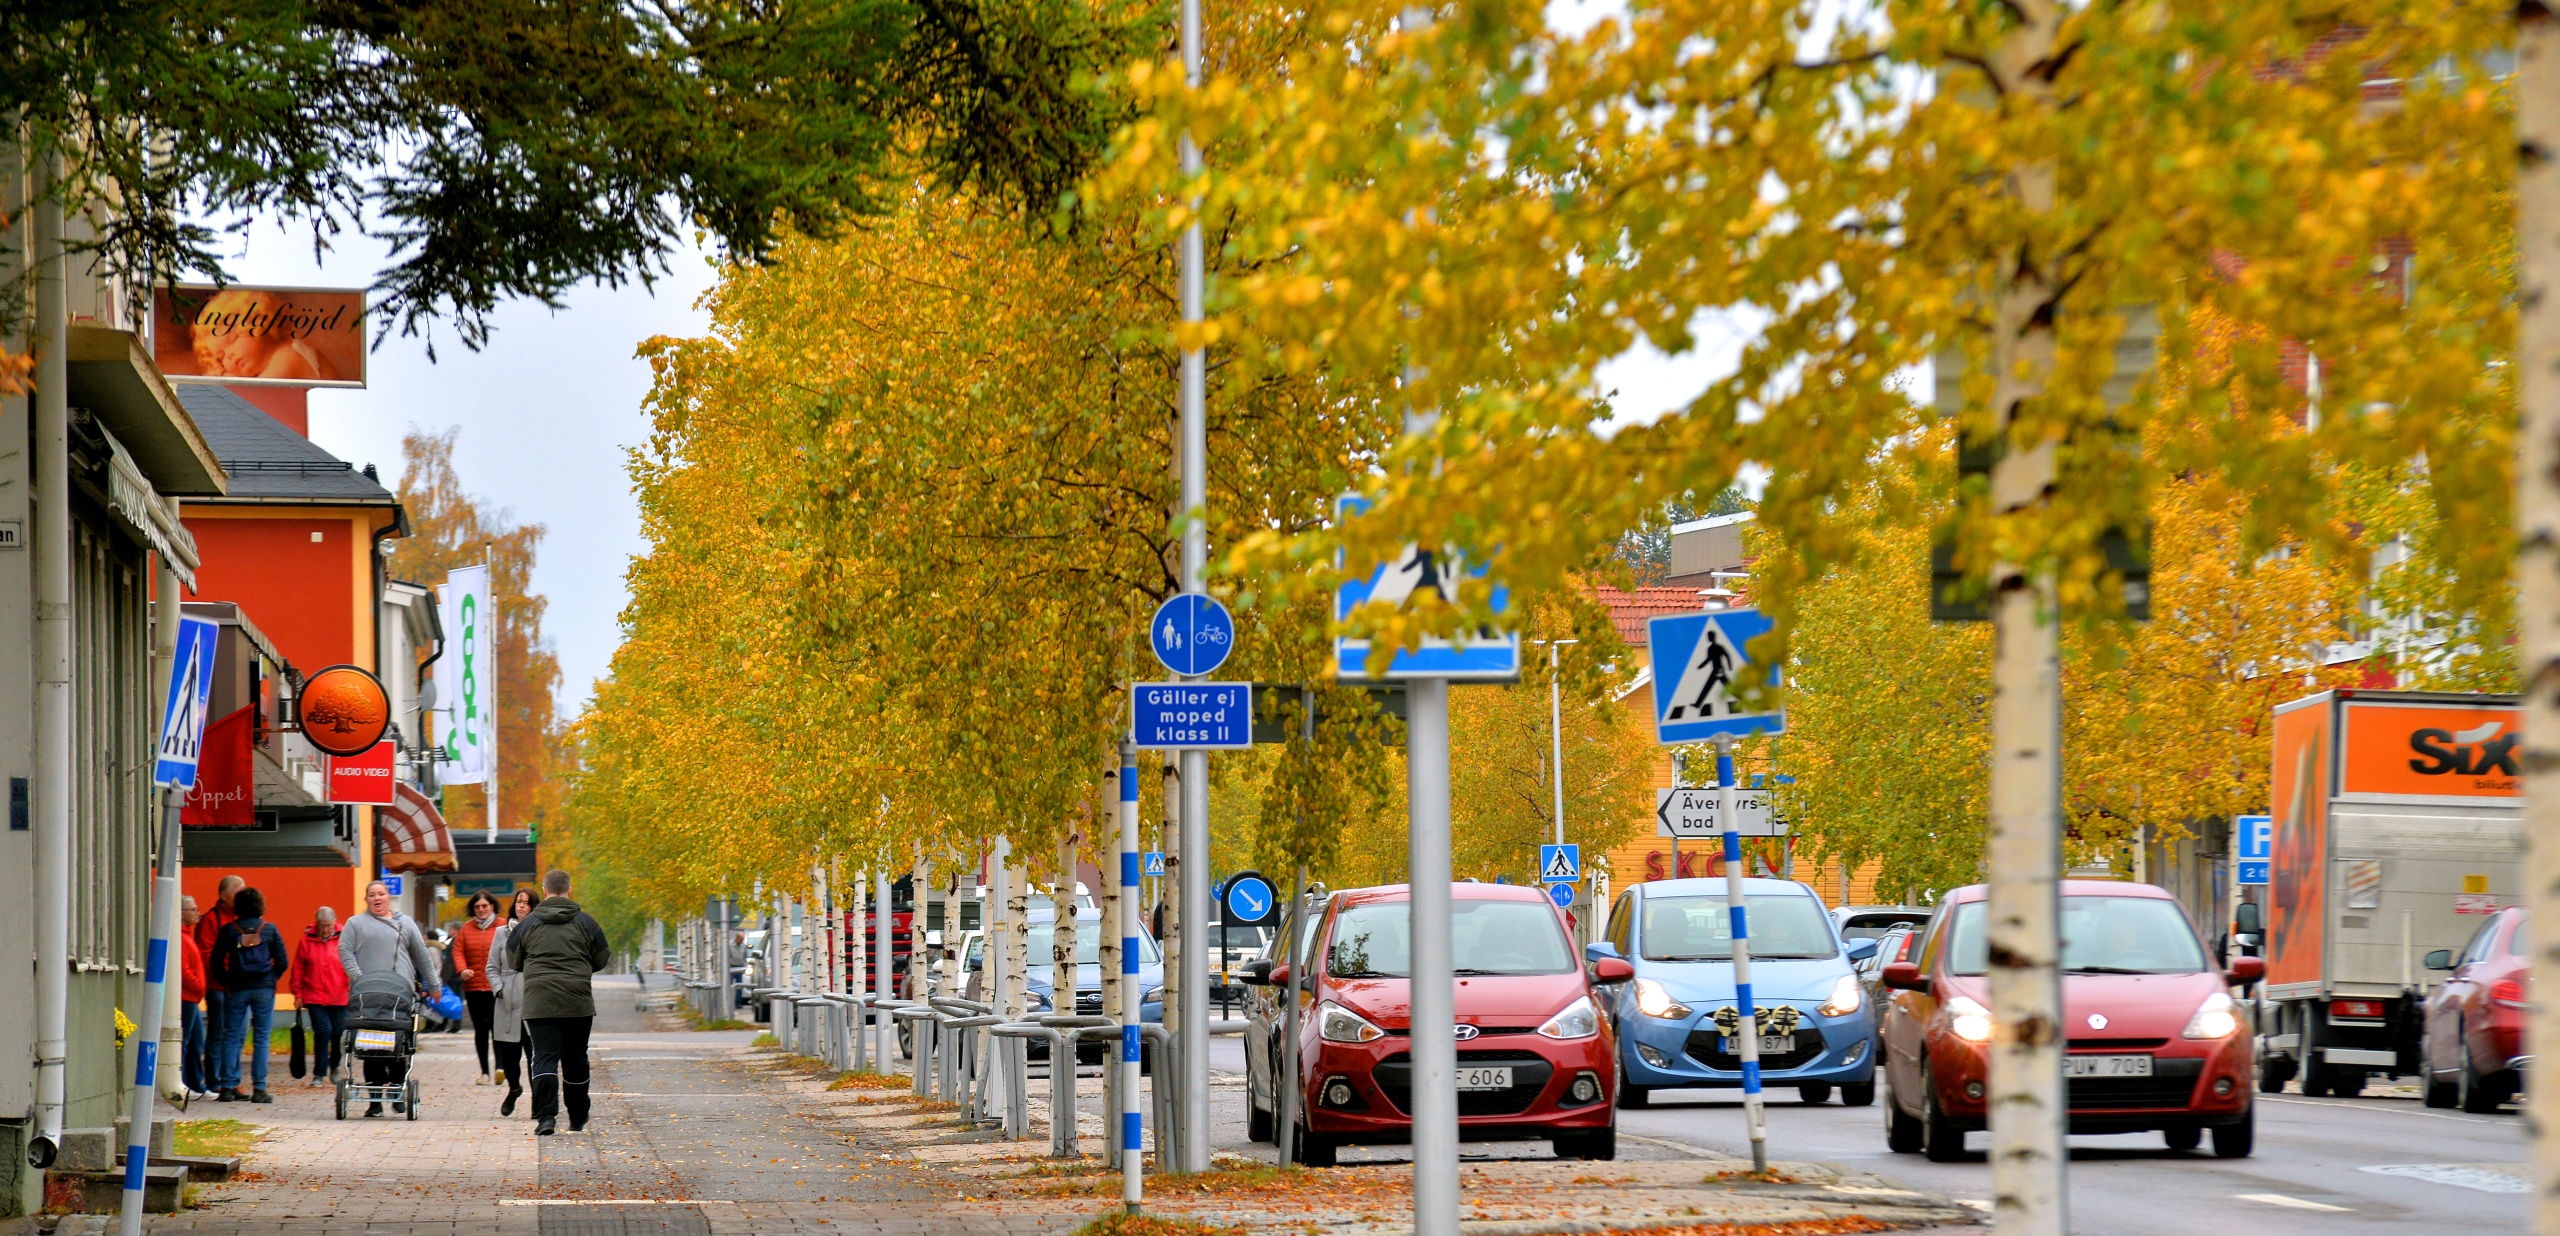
(1192, 634)
(1561, 894)
(1249, 900)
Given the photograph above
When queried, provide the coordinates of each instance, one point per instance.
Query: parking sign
(2254, 844)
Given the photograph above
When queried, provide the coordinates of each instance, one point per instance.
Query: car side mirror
(1257, 973)
(2245, 970)
(1280, 975)
(1860, 950)
(1599, 951)
(2441, 959)
(1905, 976)
(2248, 919)
(1612, 970)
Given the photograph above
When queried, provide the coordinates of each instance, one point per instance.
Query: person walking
(248, 960)
(471, 943)
(506, 1029)
(320, 987)
(191, 1052)
(558, 951)
(209, 926)
(385, 941)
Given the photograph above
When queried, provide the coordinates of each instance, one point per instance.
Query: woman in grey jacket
(508, 1031)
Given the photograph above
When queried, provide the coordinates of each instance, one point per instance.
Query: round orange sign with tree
(344, 710)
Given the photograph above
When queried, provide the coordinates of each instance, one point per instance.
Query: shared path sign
(1192, 634)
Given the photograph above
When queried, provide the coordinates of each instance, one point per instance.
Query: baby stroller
(382, 1024)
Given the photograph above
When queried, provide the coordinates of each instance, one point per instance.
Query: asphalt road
(2377, 1164)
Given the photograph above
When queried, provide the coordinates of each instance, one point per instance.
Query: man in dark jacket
(558, 950)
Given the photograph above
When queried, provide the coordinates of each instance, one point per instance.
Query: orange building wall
(264, 560)
(292, 893)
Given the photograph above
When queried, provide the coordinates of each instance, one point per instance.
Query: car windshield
(1371, 940)
(1783, 926)
(1088, 945)
(2100, 935)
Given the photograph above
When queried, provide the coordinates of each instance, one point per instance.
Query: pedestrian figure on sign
(1717, 660)
(558, 951)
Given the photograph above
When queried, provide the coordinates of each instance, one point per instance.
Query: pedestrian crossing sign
(1155, 862)
(1559, 864)
(1697, 659)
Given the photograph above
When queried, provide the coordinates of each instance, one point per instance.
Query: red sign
(226, 787)
(365, 778)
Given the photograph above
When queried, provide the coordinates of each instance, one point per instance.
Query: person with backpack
(320, 988)
(248, 960)
(558, 951)
(383, 940)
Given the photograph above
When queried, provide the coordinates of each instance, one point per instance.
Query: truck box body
(2397, 824)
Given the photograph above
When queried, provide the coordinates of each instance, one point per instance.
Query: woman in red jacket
(471, 962)
(320, 987)
(191, 1052)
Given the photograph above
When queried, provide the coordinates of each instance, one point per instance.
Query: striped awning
(409, 835)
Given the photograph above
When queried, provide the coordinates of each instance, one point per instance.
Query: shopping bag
(300, 1065)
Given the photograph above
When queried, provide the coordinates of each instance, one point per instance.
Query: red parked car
(2474, 1047)
(1536, 1056)
(2155, 1040)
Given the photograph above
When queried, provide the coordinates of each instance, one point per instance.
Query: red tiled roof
(1630, 609)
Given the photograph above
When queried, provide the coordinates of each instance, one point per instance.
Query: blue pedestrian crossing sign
(1561, 894)
(1490, 654)
(182, 717)
(1559, 864)
(2253, 836)
(1155, 862)
(1192, 634)
(1697, 659)
(1249, 899)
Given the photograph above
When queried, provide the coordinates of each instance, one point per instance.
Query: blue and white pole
(155, 997)
(1747, 1034)
(1131, 1008)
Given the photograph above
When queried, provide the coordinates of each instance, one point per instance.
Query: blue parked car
(1043, 921)
(1675, 1021)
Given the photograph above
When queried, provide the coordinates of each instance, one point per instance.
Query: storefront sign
(364, 779)
(225, 793)
(257, 336)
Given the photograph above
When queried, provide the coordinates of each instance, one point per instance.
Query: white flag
(467, 679)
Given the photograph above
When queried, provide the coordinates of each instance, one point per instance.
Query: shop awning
(409, 835)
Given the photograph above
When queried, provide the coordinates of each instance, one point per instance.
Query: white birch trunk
(1062, 935)
(2537, 88)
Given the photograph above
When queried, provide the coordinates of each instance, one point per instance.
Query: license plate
(2106, 1066)
(1770, 1045)
(377, 1040)
(1484, 1079)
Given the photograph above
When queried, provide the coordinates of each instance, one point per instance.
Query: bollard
(1062, 1074)
(915, 1016)
(1163, 1043)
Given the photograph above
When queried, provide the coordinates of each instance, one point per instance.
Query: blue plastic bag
(447, 1004)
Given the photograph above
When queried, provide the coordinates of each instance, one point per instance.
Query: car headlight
(1654, 1000)
(2216, 1018)
(1846, 997)
(1969, 1019)
(1578, 1020)
(1336, 1024)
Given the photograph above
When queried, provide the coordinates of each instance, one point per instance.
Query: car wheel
(1600, 1145)
(2439, 1092)
(1814, 1092)
(1940, 1139)
(2183, 1136)
(1858, 1094)
(1901, 1132)
(2236, 1140)
(1315, 1149)
(1257, 1122)
(2476, 1095)
(2315, 1080)
(1634, 1096)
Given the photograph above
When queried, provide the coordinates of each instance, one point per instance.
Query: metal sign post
(174, 768)
(1697, 660)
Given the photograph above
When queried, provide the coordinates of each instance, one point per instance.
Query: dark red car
(2155, 1040)
(1536, 1055)
(2475, 1046)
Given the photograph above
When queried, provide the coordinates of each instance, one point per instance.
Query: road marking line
(2485, 1177)
(2278, 1199)
(2291, 1101)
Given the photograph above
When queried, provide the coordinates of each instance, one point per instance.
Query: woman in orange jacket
(471, 962)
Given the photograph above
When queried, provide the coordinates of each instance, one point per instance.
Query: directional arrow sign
(1249, 899)
(1690, 811)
